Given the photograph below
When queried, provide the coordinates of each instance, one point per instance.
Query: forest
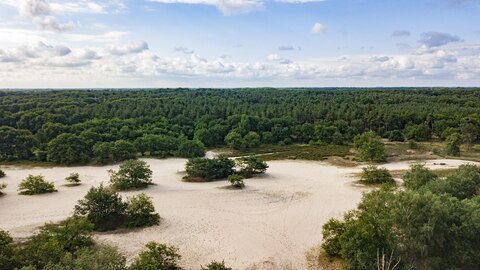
(102, 126)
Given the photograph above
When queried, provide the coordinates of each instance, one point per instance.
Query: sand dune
(268, 225)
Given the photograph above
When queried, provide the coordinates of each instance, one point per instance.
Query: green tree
(16, 144)
(251, 165)
(418, 176)
(102, 207)
(68, 149)
(370, 147)
(235, 140)
(191, 149)
(102, 152)
(141, 212)
(35, 185)
(157, 256)
(7, 260)
(123, 150)
(452, 145)
(396, 136)
(252, 139)
(131, 174)
(375, 175)
(209, 169)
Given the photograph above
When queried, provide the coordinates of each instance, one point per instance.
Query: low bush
(250, 165)
(209, 169)
(236, 180)
(2, 186)
(141, 212)
(157, 256)
(131, 174)
(73, 178)
(2, 173)
(216, 266)
(35, 184)
(374, 175)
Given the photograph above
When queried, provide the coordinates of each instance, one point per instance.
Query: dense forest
(83, 126)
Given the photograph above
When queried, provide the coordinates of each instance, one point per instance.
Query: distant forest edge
(101, 126)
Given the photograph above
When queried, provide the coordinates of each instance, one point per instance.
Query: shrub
(418, 176)
(216, 266)
(73, 178)
(209, 169)
(101, 258)
(248, 166)
(157, 256)
(141, 212)
(191, 149)
(452, 145)
(370, 147)
(375, 175)
(6, 251)
(102, 207)
(131, 174)
(2, 173)
(396, 136)
(236, 180)
(35, 185)
(2, 186)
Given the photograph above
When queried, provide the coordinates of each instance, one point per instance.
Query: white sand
(268, 225)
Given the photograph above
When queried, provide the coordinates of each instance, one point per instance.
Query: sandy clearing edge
(268, 225)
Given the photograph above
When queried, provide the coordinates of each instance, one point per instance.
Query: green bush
(375, 175)
(131, 174)
(99, 258)
(73, 178)
(236, 180)
(370, 147)
(250, 165)
(396, 136)
(102, 207)
(190, 149)
(35, 185)
(216, 266)
(6, 251)
(452, 145)
(141, 212)
(418, 176)
(157, 256)
(2, 186)
(2, 173)
(209, 169)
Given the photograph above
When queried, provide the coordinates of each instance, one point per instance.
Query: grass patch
(439, 172)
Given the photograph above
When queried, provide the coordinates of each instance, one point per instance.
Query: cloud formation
(318, 28)
(401, 33)
(437, 39)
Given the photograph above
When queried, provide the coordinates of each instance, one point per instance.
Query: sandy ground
(268, 225)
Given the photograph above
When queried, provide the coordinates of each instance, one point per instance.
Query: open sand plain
(268, 225)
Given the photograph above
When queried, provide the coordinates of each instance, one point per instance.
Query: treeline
(81, 126)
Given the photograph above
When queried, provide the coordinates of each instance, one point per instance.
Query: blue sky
(239, 43)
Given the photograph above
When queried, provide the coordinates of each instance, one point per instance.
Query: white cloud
(318, 28)
(273, 57)
(51, 23)
(131, 47)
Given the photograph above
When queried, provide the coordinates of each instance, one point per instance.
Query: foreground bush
(418, 176)
(131, 174)
(216, 266)
(35, 185)
(375, 175)
(141, 212)
(236, 180)
(420, 228)
(251, 165)
(102, 207)
(157, 256)
(209, 169)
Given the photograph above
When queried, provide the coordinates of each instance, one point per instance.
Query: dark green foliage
(102, 207)
(209, 169)
(370, 147)
(2, 186)
(331, 232)
(250, 165)
(141, 212)
(2, 173)
(101, 258)
(236, 180)
(131, 174)
(452, 145)
(418, 133)
(35, 184)
(53, 241)
(6, 251)
(216, 266)
(418, 176)
(16, 144)
(73, 178)
(68, 149)
(191, 149)
(375, 175)
(396, 136)
(463, 184)
(157, 256)
(123, 150)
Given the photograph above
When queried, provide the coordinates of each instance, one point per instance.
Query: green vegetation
(452, 145)
(157, 256)
(141, 212)
(209, 169)
(131, 174)
(432, 224)
(216, 266)
(73, 126)
(73, 179)
(236, 180)
(35, 184)
(375, 175)
(2, 174)
(250, 165)
(105, 209)
(2, 186)
(370, 147)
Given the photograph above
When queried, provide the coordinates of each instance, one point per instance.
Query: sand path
(268, 225)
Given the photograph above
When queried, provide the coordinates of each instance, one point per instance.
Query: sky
(239, 43)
